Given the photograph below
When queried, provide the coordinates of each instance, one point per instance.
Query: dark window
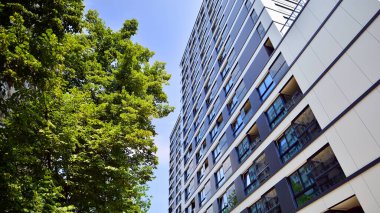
(218, 149)
(250, 142)
(191, 207)
(186, 175)
(228, 200)
(229, 86)
(318, 175)
(201, 173)
(279, 65)
(289, 96)
(215, 129)
(276, 111)
(260, 29)
(245, 113)
(208, 101)
(302, 130)
(248, 4)
(254, 17)
(225, 70)
(266, 87)
(212, 114)
(233, 103)
(267, 203)
(201, 152)
(256, 174)
(219, 176)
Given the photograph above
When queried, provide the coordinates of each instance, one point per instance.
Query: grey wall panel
(234, 13)
(285, 196)
(263, 126)
(255, 100)
(238, 25)
(273, 159)
(256, 67)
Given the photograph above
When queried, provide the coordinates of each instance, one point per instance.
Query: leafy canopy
(76, 104)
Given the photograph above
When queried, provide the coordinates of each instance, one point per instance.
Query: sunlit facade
(280, 109)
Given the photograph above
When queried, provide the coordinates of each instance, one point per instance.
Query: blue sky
(164, 27)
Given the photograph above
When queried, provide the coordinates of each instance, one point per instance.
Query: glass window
(202, 171)
(228, 86)
(256, 174)
(254, 17)
(218, 149)
(202, 196)
(276, 111)
(215, 129)
(201, 151)
(248, 4)
(266, 87)
(279, 65)
(267, 203)
(225, 70)
(224, 202)
(244, 149)
(240, 88)
(249, 143)
(219, 176)
(228, 200)
(212, 114)
(261, 31)
(301, 131)
(318, 175)
(233, 103)
(238, 123)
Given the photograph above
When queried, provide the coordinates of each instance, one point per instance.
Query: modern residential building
(280, 109)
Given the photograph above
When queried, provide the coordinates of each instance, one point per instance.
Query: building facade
(280, 109)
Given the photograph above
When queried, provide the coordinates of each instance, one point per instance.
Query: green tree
(76, 110)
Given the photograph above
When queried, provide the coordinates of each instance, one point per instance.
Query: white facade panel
(356, 137)
(325, 47)
(349, 78)
(365, 53)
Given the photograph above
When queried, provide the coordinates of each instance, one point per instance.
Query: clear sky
(164, 27)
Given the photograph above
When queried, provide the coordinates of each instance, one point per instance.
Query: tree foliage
(76, 104)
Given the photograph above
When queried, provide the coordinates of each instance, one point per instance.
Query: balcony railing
(227, 174)
(247, 147)
(261, 176)
(285, 108)
(297, 9)
(298, 137)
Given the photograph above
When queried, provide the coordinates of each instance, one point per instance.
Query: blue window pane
(268, 80)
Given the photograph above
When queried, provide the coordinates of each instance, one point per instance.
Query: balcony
(221, 147)
(244, 117)
(303, 130)
(223, 173)
(256, 175)
(203, 171)
(201, 152)
(289, 97)
(250, 142)
(215, 130)
(317, 176)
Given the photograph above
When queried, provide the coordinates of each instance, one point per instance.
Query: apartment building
(280, 109)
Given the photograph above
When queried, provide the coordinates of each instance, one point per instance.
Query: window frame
(267, 88)
(335, 165)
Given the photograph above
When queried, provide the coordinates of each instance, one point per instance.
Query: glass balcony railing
(296, 137)
(247, 146)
